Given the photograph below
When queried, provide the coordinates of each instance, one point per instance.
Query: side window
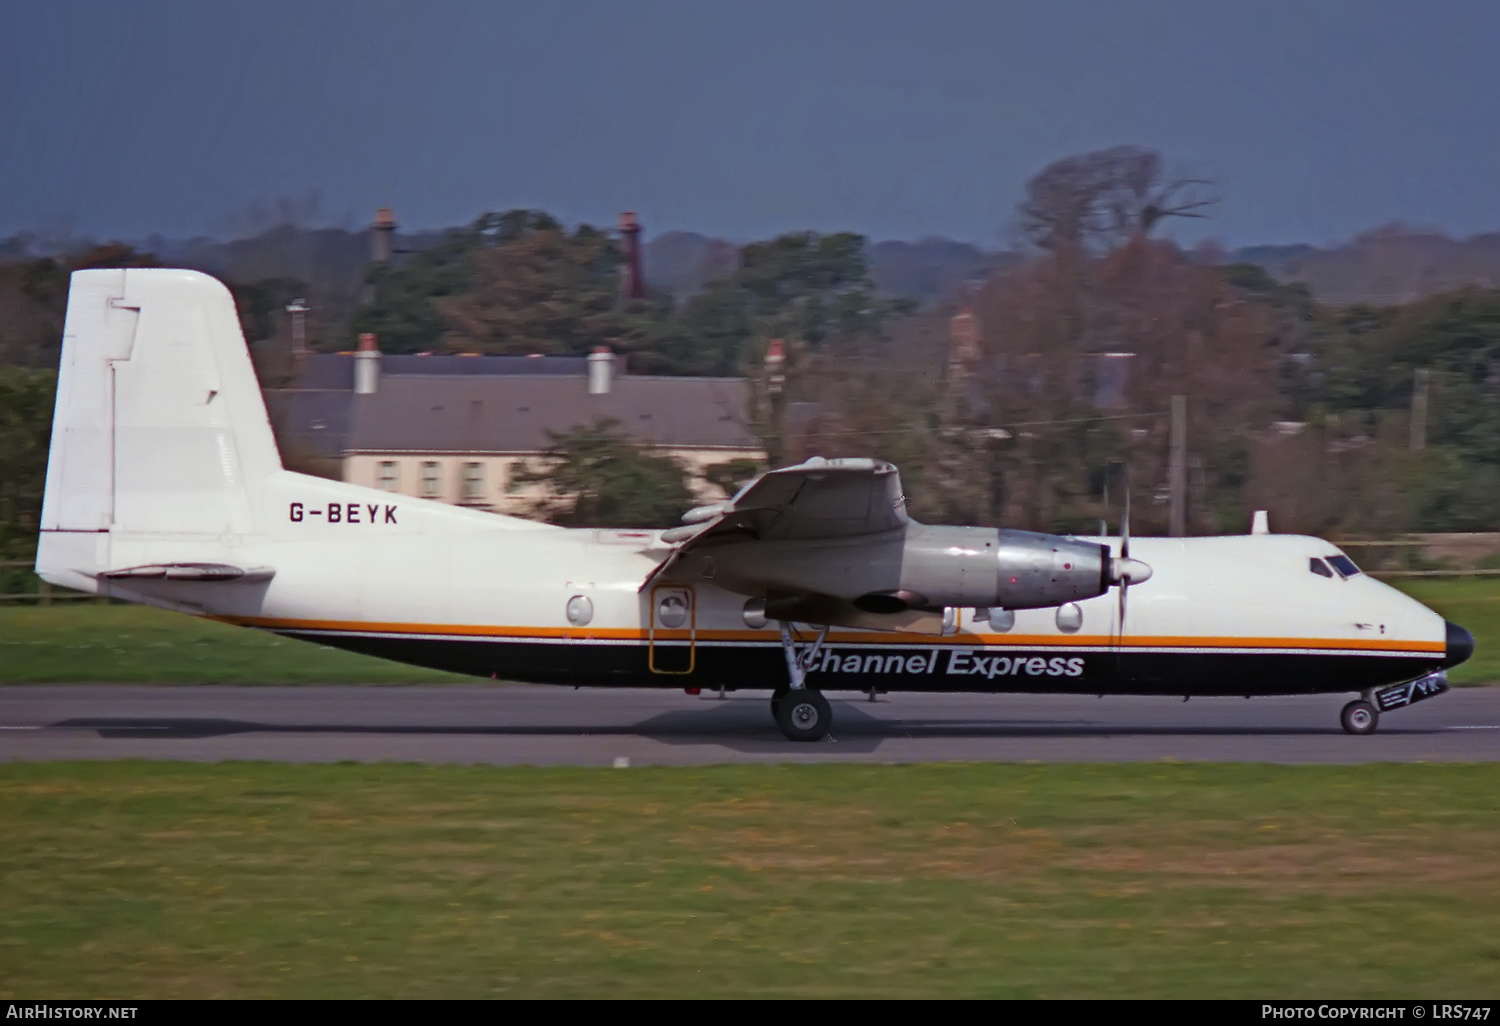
(1344, 565)
(473, 482)
(1319, 567)
(431, 479)
(390, 476)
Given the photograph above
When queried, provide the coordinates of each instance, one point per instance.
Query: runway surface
(596, 727)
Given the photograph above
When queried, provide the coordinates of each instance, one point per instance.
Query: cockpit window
(1344, 565)
(1319, 567)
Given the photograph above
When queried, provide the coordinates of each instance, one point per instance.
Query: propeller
(1124, 571)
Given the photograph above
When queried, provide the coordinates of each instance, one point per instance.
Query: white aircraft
(164, 487)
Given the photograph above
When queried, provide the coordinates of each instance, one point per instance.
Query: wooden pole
(1421, 382)
(1177, 469)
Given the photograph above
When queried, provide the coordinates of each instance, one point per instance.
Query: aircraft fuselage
(473, 593)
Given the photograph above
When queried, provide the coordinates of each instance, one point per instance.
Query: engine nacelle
(981, 566)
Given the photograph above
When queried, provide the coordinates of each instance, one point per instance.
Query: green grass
(78, 642)
(1472, 602)
(240, 880)
(75, 642)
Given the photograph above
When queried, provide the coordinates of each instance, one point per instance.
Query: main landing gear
(801, 712)
(1359, 717)
(803, 715)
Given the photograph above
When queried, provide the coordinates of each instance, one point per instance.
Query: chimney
(633, 282)
(367, 365)
(601, 367)
(775, 365)
(298, 312)
(963, 351)
(382, 236)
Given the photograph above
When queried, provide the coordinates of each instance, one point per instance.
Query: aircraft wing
(816, 500)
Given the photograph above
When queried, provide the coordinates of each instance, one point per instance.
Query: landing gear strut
(801, 712)
(1359, 717)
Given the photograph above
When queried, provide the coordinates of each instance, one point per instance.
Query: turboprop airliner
(165, 487)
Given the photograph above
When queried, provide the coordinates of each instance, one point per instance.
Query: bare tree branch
(1100, 200)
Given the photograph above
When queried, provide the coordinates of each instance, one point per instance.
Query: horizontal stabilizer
(198, 572)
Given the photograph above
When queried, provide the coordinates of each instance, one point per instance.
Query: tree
(520, 282)
(1023, 434)
(1354, 390)
(542, 290)
(533, 287)
(403, 312)
(811, 286)
(34, 299)
(806, 288)
(262, 305)
(26, 399)
(598, 477)
(1099, 200)
(732, 475)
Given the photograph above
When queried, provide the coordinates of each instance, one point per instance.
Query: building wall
(493, 488)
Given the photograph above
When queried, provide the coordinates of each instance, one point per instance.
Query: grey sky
(897, 119)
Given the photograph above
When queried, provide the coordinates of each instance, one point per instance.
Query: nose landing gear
(1359, 717)
(1363, 716)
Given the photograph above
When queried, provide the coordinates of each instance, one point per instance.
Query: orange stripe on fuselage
(842, 637)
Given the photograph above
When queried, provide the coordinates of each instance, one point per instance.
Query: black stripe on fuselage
(894, 668)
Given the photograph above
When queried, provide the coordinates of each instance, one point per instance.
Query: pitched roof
(336, 370)
(502, 413)
(316, 422)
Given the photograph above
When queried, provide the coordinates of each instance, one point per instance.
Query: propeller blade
(1126, 571)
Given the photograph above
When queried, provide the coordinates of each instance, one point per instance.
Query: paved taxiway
(561, 726)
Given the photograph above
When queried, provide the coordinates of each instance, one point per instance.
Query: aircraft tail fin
(159, 429)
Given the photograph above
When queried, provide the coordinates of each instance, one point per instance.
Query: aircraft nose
(1460, 645)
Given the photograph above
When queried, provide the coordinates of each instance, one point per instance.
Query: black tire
(776, 697)
(804, 715)
(1359, 718)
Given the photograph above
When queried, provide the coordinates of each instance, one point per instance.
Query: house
(456, 428)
